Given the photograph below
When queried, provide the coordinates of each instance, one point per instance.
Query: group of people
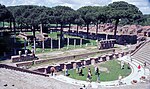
(97, 72)
(79, 70)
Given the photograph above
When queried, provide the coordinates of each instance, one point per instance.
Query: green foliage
(4, 13)
(118, 10)
(5, 44)
(145, 20)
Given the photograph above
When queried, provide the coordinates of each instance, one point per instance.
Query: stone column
(81, 42)
(26, 52)
(20, 59)
(106, 36)
(34, 45)
(33, 54)
(67, 43)
(74, 43)
(51, 44)
(59, 43)
(43, 45)
(20, 53)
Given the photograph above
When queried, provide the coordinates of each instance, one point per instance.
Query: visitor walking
(89, 70)
(122, 64)
(67, 74)
(81, 72)
(78, 68)
(89, 76)
(95, 68)
(119, 79)
(98, 77)
(139, 68)
(144, 64)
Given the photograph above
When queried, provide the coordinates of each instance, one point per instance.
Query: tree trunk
(33, 31)
(3, 23)
(34, 38)
(21, 27)
(61, 35)
(41, 29)
(77, 29)
(56, 26)
(14, 27)
(69, 27)
(87, 30)
(27, 27)
(61, 31)
(116, 24)
(25, 44)
(10, 24)
(96, 28)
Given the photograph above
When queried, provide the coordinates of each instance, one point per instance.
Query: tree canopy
(34, 15)
(121, 9)
(4, 13)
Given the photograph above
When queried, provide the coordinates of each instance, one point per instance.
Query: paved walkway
(135, 75)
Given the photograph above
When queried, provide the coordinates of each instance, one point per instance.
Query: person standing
(89, 76)
(98, 77)
(139, 68)
(144, 64)
(95, 68)
(89, 70)
(78, 68)
(119, 79)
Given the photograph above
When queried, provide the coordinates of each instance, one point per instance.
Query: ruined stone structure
(106, 44)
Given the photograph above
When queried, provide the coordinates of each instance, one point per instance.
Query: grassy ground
(113, 67)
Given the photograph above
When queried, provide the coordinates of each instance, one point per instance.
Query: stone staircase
(143, 54)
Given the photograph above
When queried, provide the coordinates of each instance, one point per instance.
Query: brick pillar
(120, 55)
(107, 57)
(74, 64)
(103, 58)
(45, 72)
(115, 55)
(92, 61)
(20, 53)
(83, 62)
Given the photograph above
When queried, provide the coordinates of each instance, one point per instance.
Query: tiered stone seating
(143, 54)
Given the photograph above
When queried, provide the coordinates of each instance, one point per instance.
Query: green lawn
(113, 67)
(53, 35)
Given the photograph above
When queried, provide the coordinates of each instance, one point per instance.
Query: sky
(143, 5)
